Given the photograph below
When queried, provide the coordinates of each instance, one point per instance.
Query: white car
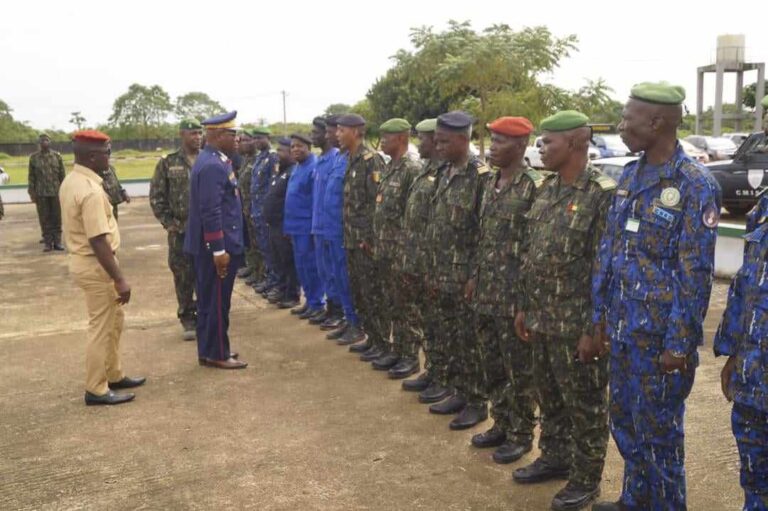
(613, 167)
(533, 159)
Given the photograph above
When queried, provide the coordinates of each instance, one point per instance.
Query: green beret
(661, 93)
(190, 124)
(764, 102)
(260, 130)
(395, 125)
(248, 132)
(43, 135)
(427, 126)
(564, 121)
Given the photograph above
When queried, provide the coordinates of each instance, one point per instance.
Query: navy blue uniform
(323, 170)
(261, 175)
(215, 223)
(279, 243)
(298, 225)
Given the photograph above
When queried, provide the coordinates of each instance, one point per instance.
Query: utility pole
(285, 117)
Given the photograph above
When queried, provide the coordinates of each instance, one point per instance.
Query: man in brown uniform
(91, 234)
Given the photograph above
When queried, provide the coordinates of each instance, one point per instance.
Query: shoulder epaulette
(536, 177)
(605, 182)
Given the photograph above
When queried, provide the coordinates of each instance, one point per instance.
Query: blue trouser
(341, 278)
(750, 427)
(262, 243)
(647, 407)
(325, 268)
(306, 268)
(214, 296)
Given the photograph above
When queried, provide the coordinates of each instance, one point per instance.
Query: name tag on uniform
(633, 225)
(664, 215)
(379, 198)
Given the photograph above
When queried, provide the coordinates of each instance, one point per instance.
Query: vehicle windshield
(721, 144)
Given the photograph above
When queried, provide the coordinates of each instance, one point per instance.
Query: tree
(78, 120)
(595, 101)
(143, 107)
(337, 109)
(198, 105)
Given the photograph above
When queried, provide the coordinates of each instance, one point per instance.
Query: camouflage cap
(427, 126)
(565, 120)
(190, 123)
(660, 93)
(395, 125)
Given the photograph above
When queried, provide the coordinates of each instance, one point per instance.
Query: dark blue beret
(351, 120)
(284, 141)
(456, 120)
(303, 138)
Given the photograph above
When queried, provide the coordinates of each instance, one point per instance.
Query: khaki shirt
(86, 211)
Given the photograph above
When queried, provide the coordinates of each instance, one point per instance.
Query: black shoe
(360, 347)
(352, 335)
(417, 384)
(371, 354)
(336, 334)
(110, 398)
(453, 404)
(574, 496)
(262, 286)
(318, 318)
(386, 361)
(470, 416)
(609, 506)
(404, 368)
(251, 280)
(127, 383)
(434, 393)
(308, 313)
(275, 297)
(58, 247)
(300, 310)
(494, 437)
(288, 304)
(509, 452)
(244, 272)
(48, 247)
(539, 471)
(332, 323)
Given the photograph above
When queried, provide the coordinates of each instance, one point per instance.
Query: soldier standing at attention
(214, 239)
(93, 239)
(261, 176)
(402, 169)
(361, 181)
(46, 172)
(169, 198)
(247, 149)
(651, 294)
(505, 375)
(453, 235)
(565, 224)
(115, 191)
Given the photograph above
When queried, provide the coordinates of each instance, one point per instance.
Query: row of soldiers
(523, 288)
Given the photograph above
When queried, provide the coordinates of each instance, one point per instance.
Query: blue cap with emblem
(284, 141)
(350, 120)
(455, 121)
(221, 122)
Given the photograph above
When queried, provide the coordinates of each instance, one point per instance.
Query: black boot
(471, 415)
(453, 404)
(539, 471)
(336, 334)
(371, 354)
(386, 361)
(300, 310)
(404, 368)
(352, 335)
(419, 384)
(509, 452)
(434, 393)
(574, 496)
(494, 437)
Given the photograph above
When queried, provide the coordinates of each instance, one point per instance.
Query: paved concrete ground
(305, 427)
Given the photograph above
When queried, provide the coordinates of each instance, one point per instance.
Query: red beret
(512, 126)
(90, 136)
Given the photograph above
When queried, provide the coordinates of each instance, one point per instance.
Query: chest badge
(670, 197)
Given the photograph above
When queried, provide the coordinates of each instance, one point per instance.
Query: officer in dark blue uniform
(261, 176)
(215, 240)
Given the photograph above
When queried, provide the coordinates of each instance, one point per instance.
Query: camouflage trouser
(750, 427)
(370, 296)
(456, 338)
(574, 407)
(253, 259)
(183, 279)
(507, 377)
(418, 320)
(49, 214)
(647, 423)
(407, 294)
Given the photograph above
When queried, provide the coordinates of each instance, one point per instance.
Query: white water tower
(730, 58)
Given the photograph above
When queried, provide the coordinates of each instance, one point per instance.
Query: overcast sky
(58, 57)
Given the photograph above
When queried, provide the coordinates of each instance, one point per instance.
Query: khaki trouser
(105, 323)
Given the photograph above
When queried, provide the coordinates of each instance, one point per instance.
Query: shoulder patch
(536, 177)
(605, 182)
(483, 169)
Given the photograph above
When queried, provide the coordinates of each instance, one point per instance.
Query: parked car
(743, 178)
(533, 159)
(738, 138)
(613, 167)
(694, 152)
(717, 148)
(610, 146)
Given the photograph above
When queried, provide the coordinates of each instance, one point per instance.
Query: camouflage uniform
(360, 189)
(114, 189)
(505, 376)
(252, 255)
(2, 211)
(453, 235)
(169, 198)
(46, 172)
(411, 264)
(565, 224)
(265, 165)
(652, 289)
(390, 238)
(742, 334)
